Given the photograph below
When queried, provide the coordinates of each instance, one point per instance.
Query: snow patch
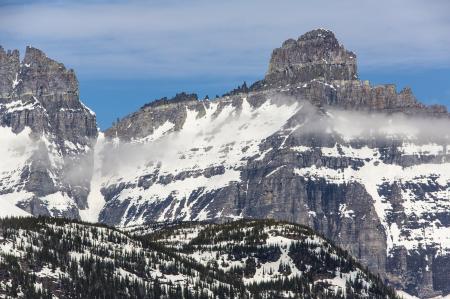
(95, 200)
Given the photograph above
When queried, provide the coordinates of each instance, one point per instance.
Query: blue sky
(127, 53)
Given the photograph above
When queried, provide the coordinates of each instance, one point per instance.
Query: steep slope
(47, 137)
(42, 257)
(271, 255)
(365, 165)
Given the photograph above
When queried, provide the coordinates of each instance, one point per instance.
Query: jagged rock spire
(43, 76)
(41, 94)
(9, 69)
(41, 82)
(316, 54)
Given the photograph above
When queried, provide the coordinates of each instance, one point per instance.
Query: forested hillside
(56, 258)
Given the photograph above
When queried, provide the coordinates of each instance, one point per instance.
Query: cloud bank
(357, 128)
(358, 124)
(180, 38)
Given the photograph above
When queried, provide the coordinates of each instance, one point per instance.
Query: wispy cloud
(194, 38)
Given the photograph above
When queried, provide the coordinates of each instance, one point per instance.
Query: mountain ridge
(317, 58)
(364, 165)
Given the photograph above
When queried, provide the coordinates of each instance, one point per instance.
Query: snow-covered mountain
(47, 137)
(41, 258)
(366, 166)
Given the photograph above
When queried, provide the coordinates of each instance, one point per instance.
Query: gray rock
(41, 94)
(9, 70)
(315, 55)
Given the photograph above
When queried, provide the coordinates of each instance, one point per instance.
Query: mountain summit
(48, 136)
(315, 55)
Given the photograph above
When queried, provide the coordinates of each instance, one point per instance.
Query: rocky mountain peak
(319, 34)
(39, 84)
(42, 76)
(316, 54)
(12, 55)
(40, 95)
(34, 54)
(9, 68)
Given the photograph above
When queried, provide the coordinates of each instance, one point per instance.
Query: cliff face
(39, 101)
(309, 143)
(314, 55)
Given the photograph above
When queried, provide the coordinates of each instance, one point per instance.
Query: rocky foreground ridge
(310, 143)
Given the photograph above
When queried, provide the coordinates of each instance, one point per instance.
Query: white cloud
(180, 38)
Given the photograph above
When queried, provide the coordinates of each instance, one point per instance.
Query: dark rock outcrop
(314, 55)
(9, 69)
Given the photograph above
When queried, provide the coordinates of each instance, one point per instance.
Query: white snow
(275, 170)
(8, 204)
(15, 150)
(226, 137)
(87, 108)
(345, 212)
(48, 272)
(348, 151)
(15, 81)
(324, 83)
(159, 132)
(58, 202)
(374, 173)
(405, 295)
(70, 145)
(301, 148)
(95, 200)
(410, 148)
(340, 281)
(269, 270)
(19, 106)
